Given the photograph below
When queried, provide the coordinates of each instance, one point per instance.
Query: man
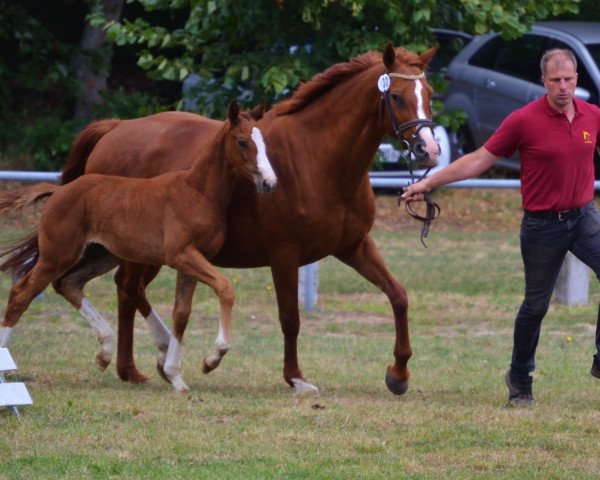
(555, 136)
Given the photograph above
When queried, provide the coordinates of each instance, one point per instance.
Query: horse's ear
(233, 112)
(389, 56)
(257, 112)
(428, 55)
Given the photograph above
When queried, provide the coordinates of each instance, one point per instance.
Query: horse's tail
(20, 256)
(83, 146)
(23, 197)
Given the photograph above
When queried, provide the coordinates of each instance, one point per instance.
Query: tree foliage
(254, 49)
(219, 49)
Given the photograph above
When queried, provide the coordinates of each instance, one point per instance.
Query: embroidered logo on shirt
(586, 137)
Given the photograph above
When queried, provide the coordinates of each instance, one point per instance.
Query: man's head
(559, 75)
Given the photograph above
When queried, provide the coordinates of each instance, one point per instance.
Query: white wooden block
(6, 361)
(12, 394)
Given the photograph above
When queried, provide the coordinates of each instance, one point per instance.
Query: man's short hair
(550, 54)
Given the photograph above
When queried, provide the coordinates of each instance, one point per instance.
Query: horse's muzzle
(264, 185)
(425, 156)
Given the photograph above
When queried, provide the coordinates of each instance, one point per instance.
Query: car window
(518, 58)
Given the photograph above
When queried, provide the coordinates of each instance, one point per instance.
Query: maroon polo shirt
(557, 157)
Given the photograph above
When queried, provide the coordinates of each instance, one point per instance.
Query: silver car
(491, 77)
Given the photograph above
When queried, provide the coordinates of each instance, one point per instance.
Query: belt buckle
(564, 215)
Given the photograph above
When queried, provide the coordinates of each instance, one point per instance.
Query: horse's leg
(171, 367)
(366, 259)
(191, 263)
(285, 278)
(26, 289)
(94, 263)
(131, 296)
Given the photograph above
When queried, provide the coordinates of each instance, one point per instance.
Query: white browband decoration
(407, 77)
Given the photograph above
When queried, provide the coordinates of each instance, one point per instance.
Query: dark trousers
(544, 244)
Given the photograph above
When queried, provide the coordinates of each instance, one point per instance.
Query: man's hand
(415, 192)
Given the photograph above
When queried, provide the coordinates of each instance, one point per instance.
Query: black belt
(554, 215)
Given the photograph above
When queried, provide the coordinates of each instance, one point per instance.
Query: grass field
(243, 422)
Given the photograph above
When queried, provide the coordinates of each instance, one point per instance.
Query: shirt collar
(552, 112)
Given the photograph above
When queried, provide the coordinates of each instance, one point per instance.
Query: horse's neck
(344, 129)
(211, 173)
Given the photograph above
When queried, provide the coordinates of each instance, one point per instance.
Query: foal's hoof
(102, 364)
(397, 387)
(161, 372)
(209, 365)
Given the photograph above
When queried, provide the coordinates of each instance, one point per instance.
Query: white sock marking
(172, 367)
(5, 334)
(300, 386)
(101, 327)
(160, 332)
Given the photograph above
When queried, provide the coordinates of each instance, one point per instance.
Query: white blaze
(426, 134)
(264, 165)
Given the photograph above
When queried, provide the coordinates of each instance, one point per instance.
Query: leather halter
(433, 209)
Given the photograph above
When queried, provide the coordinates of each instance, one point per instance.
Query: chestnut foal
(176, 219)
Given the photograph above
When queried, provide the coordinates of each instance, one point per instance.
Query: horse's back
(148, 146)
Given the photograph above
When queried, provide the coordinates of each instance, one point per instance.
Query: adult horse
(176, 219)
(321, 143)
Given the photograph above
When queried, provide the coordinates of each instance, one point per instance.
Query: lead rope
(432, 212)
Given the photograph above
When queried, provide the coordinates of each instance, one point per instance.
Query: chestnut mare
(321, 143)
(175, 219)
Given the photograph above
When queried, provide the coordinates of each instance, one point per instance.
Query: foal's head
(246, 150)
(406, 97)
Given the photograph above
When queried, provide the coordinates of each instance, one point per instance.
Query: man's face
(560, 81)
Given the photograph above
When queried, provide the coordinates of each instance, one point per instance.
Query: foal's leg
(191, 263)
(94, 263)
(285, 278)
(25, 290)
(366, 259)
(131, 280)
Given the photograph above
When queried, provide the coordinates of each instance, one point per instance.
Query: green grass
(243, 422)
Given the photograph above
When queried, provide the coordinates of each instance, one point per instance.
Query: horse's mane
(336, 74)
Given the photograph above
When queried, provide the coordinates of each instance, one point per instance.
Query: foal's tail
(20, 256)
(11, 200)
(83, 146)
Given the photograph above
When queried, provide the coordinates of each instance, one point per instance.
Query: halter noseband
(433, 209)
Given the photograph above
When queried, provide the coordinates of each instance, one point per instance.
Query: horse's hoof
(397, 387)
(161, 372)
(179, 385)
(300, 386)
(210, 365)
(101, 363)
(133, 375)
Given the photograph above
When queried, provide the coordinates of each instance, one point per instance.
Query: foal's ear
(389, 56)
(426, 57)
(233, 112)
(257, 112)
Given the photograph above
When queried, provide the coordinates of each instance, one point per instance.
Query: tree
(254, 49)
(91, 63)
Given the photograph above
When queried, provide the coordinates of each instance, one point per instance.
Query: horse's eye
(242, 143)
(397, 99)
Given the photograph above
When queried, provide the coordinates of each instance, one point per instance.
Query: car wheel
(461, 143)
